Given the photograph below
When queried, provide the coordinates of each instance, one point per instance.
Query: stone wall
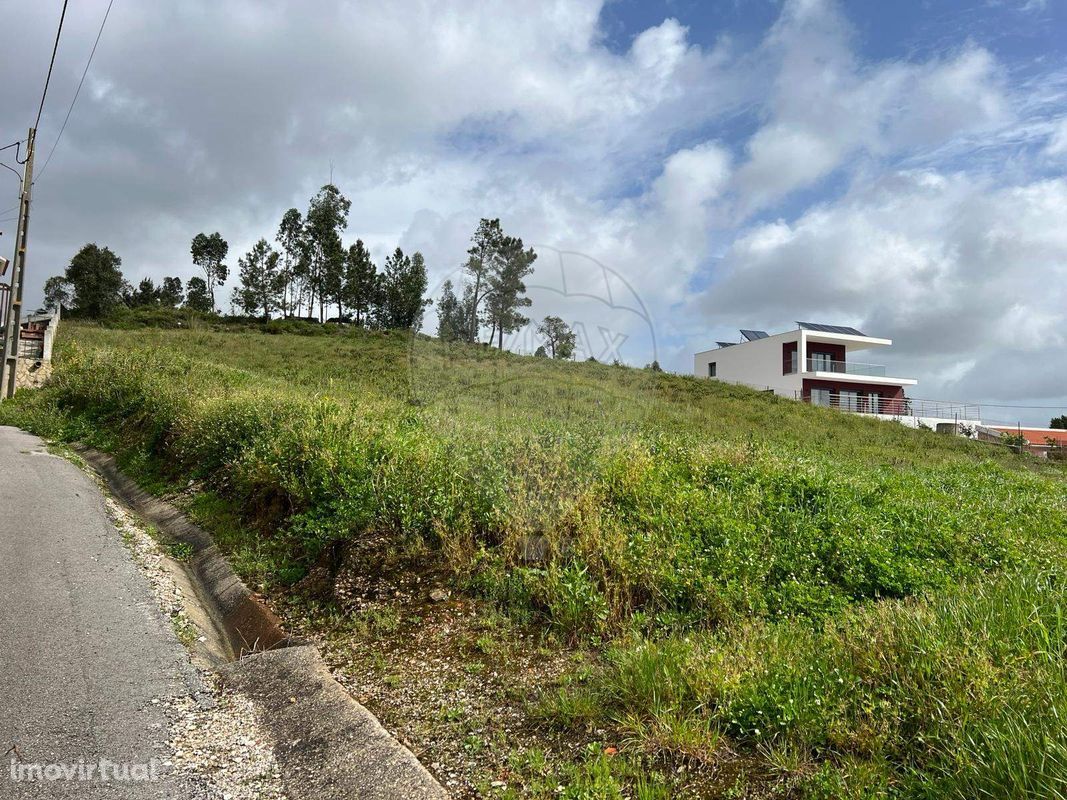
(31, 373)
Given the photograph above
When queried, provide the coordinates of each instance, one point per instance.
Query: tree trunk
(474, 309)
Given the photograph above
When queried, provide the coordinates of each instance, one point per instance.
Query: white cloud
(827, 106)
(948, 266)
(1057, 140)
(433, 115)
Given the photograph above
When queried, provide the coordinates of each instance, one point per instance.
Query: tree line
(309, 273)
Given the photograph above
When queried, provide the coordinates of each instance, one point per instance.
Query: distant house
(814, 363)
(1039, 441)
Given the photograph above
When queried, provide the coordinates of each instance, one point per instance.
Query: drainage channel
(236, 623)
(327, 745)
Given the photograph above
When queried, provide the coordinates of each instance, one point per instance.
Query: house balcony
(860, 403)
(845, 367)
(851, 372)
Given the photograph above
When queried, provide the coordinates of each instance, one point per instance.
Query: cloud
(1057, 141)
(913, 191)
(947, 265)
(827, 106)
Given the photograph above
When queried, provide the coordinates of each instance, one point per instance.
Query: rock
(440, 595)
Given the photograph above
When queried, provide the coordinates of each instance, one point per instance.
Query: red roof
(1035, 435)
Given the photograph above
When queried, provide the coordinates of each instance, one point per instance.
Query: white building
(814, 363)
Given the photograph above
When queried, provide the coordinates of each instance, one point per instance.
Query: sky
(683, 168)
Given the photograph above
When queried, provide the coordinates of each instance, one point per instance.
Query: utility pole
(18, 276)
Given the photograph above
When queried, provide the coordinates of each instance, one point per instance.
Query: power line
(52, 63)
(77, 91)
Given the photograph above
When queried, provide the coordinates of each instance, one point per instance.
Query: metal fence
(860, 403)
(846, 367)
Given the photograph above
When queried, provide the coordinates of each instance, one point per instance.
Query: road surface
(87, 660)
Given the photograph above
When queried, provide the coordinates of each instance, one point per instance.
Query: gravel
(216, 740)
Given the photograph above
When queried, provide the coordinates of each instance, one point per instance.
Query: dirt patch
(457, 682)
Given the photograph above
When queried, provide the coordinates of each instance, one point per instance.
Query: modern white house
(815, 363)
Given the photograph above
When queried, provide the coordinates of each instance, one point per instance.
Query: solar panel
(726, 344)
(754, 335)
(818, 326)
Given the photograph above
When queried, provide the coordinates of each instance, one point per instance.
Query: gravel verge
(216, 738)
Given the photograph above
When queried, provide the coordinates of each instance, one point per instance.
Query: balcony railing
(860, 403)
(847, 367)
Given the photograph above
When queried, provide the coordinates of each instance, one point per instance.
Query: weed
(859, 607)
(179, 551)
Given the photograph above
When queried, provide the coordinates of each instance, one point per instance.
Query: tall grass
(649, 518)
(872, 606)
(958, 694)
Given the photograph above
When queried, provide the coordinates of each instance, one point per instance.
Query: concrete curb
(246, 624)
(323, 754)
(327, 745)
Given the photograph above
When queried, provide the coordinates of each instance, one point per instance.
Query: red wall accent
(886, 392)
(787, 358)
(836, 351)
(849, 386)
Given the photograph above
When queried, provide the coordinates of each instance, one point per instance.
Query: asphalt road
(87, 660)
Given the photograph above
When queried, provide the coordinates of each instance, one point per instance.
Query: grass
(844, 606)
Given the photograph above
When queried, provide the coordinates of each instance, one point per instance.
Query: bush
(881, 608)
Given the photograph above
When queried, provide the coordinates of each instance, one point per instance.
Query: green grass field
(837, 606)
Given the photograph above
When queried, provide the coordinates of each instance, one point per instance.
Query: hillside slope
(735, 568)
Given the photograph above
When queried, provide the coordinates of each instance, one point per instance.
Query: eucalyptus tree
(96, 280)
(293, 264)
(327, 218)
(209, 253)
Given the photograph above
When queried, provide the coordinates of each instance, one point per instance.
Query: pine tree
(507, 290)
(259, 289)
(170, 293)
(146, 294)
(560, 340)
(361, 282)
(403, 286)
(196, 295)
(450, 318)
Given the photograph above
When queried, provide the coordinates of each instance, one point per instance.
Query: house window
(711, 369)
(820, 397)
(873, 404)
(821, 362)
(789, 358)
(849, 401)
